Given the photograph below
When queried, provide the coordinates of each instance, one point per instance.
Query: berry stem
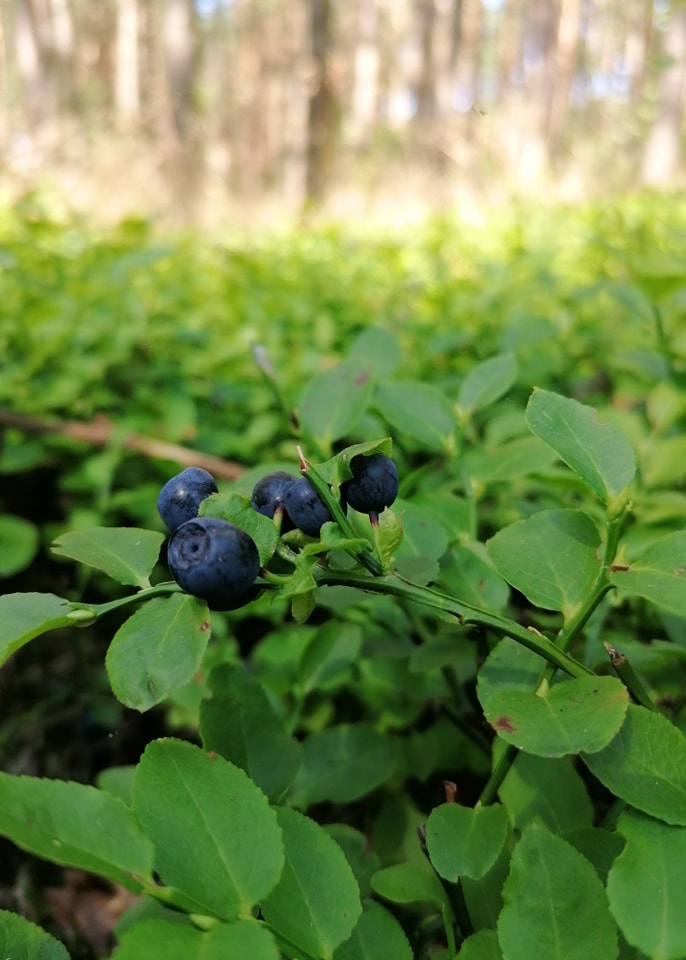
(365, 556)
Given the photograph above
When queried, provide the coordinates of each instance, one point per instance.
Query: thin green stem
(98, 610)
(498, 774)
(394, 585)
(571, 630)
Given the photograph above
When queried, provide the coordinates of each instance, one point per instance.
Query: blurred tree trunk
(565, 58)
(662, 156)
(425, 91)
(324, 110)
(639, 43)
(126, 63)
(466, 55)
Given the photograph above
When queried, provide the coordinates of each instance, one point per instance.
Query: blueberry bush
(422, 671)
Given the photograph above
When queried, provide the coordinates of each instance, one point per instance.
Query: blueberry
(302, 504)
(214, 560)
(180, 497)
(374, 485)
(269, 492)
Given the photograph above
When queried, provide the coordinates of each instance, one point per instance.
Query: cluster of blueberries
(219, 562)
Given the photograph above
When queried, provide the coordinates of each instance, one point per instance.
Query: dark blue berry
(269, 492)
(214, 560)
(374, 485)
(302, 504)
(180, 497)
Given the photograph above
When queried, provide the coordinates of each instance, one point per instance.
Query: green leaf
(344, 763)
(508, 461)
(76, 826)
(127, 554)
(486, 382)
(509, 666)
(163, 940)
(645, 765)
(236, 509)
(597, 451)
(24, 616)
(646, 886)
(571, 716)
(216, 838)
(18, 544)
(551, 557)
(659, 574)
(238, 721)
(470, 576)
(408, 883)
(334, 400)
(22, 940)
(118, 781)
(548, 790)
(316, 903)
(555, 905)
(377, 936)
(157, 650)
(481, 946)
(465, 842)
(330, 653)
(484, 897)
(423, 534)
(420, 411)
(377, 349)
(363, 861)
(600, 847)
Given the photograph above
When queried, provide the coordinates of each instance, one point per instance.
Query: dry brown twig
(101, 432)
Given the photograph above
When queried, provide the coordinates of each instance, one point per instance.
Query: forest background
(224, 111)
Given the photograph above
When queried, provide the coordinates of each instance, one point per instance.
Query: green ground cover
(527, 373)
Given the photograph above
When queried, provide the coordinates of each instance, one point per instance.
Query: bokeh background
(217, 111)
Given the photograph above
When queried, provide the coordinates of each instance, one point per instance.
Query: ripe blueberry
(269, 492)
(374, 484)
(214, 560)
(302, 504)
(180, 498)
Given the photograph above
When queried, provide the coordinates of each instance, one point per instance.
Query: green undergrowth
(457, 733)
